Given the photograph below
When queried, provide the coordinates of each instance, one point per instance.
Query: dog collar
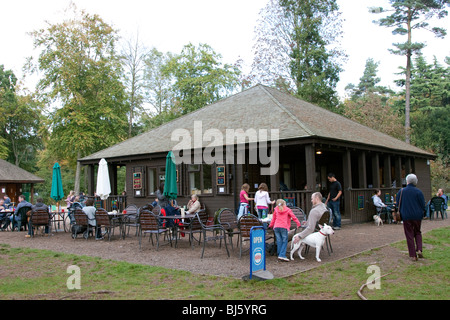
(322, 233)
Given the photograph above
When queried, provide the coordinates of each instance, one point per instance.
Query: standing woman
(244, 200)
(411, 204)
(262, 200)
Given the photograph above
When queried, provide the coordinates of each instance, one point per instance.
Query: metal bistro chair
(149, 223)
(23, 218)
(40, 218)
(102, 219)
(131, 218)
(326, 218)
(228, 220)
(300, 215)
(217, 231)
(81, 224)
(246, 222)
(195, 226)
(438, 204)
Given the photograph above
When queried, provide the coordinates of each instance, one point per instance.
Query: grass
(41, 275)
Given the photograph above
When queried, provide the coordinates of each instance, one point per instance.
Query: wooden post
(362, 171)
(347, 183)
(310, 159)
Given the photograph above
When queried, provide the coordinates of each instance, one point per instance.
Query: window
(200, 179)
(152, 181)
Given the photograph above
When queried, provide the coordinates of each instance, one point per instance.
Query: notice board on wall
(220, 174)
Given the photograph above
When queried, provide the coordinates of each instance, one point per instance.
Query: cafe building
(264, 135)
(15, 181)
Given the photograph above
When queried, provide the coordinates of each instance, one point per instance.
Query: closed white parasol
(103, 184)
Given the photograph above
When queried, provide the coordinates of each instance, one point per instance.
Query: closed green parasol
(57, 192)
(170, 184)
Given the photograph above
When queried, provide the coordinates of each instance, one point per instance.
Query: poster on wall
(360, 202)
(137, 180)
(220, 175)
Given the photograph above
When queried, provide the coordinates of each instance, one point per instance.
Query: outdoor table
(175, 226)
(118, 219)
(61, 218)
(8, 214)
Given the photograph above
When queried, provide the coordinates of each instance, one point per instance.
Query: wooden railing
(301, 199)
(113, 202)
(362, 204)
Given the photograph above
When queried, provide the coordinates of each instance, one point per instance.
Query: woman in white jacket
(262, 201)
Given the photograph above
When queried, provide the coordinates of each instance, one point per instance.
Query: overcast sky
(227, 26)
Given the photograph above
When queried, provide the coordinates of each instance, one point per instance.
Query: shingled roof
(10, 173)
(259, 107)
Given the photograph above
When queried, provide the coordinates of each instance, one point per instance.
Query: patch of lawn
(42, 274)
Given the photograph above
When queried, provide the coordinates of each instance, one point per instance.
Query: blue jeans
(334, 206)
(282, 240)
(262, 213)
(243, 209)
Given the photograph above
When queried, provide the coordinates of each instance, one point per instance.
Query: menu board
(220, 175)
(137, 180)
(360, 202)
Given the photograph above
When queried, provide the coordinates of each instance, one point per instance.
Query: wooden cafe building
(309, 142)
(15, 181)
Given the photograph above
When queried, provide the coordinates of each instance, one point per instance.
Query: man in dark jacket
(14, 218)
(412, 207)
(39, 205)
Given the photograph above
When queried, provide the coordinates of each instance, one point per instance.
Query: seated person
(193, 205)
(378, 203)
(314, 215)
(90, 210)
(430, 206)
(14, 219)
(39, 205)
(3, 214)
(7, 201)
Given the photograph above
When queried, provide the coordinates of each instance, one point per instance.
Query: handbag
(397, 215)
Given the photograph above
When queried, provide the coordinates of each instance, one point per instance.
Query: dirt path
(348, 241)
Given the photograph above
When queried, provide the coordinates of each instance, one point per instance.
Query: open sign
(257, 250)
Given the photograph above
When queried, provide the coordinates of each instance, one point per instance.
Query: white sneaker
(283, 259)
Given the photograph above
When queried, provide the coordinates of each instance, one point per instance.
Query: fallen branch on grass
(359, 293)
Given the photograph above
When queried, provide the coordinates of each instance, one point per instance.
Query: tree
(296, 49)
(368, 83)
(430, 107)
(81, 80)
(272, 49)
(133, 57)
(158, 82)
(372, 111)
(8, 101)
(411, 15)
(20, 122)
(200, 78)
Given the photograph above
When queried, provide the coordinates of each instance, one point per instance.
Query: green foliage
(368, 82)
(20, 123)
(200, 78)
(81, 75)
(312, 67)
(409, 15)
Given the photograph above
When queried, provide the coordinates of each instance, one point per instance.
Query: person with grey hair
(411, 204)
(314, 215)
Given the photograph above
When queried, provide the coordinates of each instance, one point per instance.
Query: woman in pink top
(244, 199)
(281, 223)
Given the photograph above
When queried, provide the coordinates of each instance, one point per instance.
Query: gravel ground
(348, 241)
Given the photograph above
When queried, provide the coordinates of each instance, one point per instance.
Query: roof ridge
(297, 120)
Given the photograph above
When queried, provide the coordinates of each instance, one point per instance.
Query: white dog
(377, 220)
(315, 240)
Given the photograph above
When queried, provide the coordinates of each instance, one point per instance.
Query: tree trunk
(408, 82)
(77, 175)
